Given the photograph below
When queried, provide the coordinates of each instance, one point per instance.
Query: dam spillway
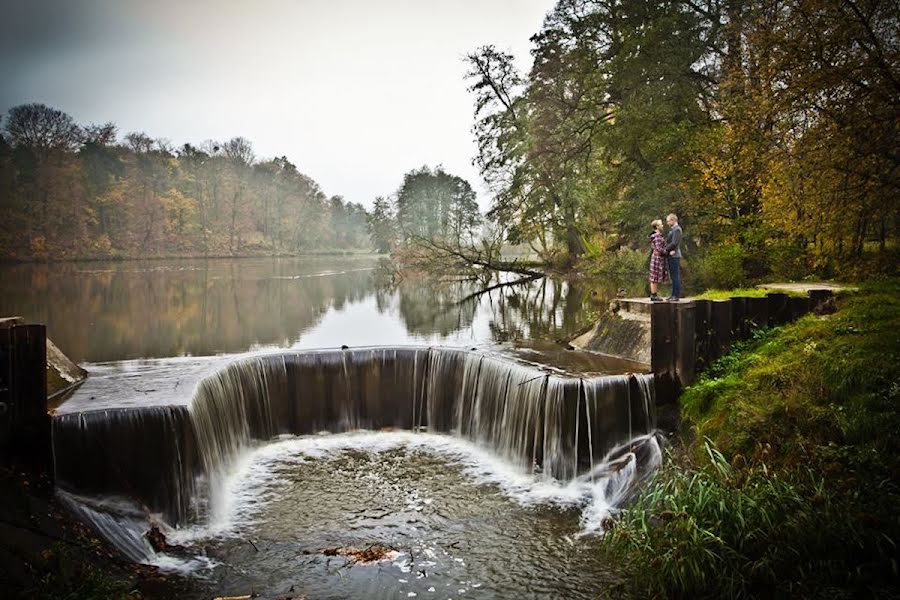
(171, 459)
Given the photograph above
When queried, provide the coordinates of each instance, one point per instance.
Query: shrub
(720, 267)
(621, 264)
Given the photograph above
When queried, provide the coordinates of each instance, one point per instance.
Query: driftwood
(158, 542)
(365, 556)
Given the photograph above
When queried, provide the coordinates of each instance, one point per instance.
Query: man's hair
(673, 217)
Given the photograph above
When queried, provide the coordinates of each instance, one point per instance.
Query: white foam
(244, 494)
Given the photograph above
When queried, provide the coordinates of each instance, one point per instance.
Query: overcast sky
(355, 92)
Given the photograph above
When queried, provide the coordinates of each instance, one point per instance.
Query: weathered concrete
(624, 333)
(807, 287)
(63, 375)
(675, 340)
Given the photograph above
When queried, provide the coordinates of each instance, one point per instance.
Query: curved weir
(171, 460)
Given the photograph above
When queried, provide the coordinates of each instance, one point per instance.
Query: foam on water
(245, 493)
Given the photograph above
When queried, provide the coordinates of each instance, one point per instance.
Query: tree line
(770, 126)
(78, 191)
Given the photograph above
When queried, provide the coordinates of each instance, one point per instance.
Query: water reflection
(121, 310)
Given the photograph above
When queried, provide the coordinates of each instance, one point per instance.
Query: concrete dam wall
(676, 340)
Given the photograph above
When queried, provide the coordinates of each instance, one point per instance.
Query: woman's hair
(656, 223)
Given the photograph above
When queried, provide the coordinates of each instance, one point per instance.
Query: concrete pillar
(662, 338)
(779, 309)
(685, 338)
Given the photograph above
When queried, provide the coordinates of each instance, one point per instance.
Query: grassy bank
(786, 482)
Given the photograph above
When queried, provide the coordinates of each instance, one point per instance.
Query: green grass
(754, 292)
(792, 483)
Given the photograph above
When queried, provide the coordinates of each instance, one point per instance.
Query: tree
(41, 130)
(382, 227)
(431, 203)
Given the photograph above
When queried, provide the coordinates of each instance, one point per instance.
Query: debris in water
(366, 556)
(158, 541)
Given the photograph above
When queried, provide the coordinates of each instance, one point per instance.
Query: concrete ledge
(678, 339)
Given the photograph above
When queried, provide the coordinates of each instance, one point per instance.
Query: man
(673, 248)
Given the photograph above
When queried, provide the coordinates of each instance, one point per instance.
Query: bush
(720, 267)
(621, 264)
(787, 261)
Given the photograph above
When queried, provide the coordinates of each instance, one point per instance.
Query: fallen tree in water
(481, 260)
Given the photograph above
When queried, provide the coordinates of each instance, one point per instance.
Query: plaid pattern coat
(658, 272)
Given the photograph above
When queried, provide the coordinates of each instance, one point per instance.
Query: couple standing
(666, 251)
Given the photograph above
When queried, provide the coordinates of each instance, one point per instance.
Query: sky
(354, 92)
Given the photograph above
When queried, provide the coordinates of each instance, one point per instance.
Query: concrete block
(685, 337)
(779, 309)
(662, 338)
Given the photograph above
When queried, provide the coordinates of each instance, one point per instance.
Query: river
(462, 519)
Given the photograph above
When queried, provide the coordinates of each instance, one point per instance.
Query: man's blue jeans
(675, 275)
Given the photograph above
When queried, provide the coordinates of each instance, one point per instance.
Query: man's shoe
(672, 299)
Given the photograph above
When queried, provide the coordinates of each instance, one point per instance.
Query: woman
(657, 260)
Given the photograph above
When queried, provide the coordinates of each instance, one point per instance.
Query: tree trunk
(574, 246)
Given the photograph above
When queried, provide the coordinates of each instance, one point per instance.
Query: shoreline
(40, 261)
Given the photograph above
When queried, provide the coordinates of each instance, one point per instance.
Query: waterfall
(172, 460)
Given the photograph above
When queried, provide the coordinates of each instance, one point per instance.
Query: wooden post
(757, 314)
(720, 320)
(798, 306)
(702, 333)
(25, 428)
(738, 318)
(818, 297)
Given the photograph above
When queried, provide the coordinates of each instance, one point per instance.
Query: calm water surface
(111, 311)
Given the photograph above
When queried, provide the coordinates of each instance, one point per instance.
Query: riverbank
(784, 481)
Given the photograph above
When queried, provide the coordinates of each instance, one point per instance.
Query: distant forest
(78, 191)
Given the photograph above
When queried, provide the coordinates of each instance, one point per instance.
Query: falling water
(173, 460)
